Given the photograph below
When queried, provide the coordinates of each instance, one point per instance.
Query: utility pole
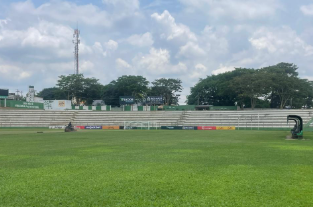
(17, 95)
(76, 42)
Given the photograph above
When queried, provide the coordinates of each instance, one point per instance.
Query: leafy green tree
(285, 85)
(92, 90)
(52, 94)
(167, 88)
(111, 94)
(130, 85)
(72, 85)
(217, 90)
(302, 96)
(76, 86)
(252, 85)
(278, 83)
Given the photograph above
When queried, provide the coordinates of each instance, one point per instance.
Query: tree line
(274, 86)
(82, 89)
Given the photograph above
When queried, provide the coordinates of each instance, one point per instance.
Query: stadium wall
(92, 108)
(22, 104)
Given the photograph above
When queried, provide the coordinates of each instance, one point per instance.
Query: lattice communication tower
(76, 42)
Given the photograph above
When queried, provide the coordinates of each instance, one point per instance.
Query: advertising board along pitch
(93, 127)
(206, 127)
(111, 127)
(225, 128)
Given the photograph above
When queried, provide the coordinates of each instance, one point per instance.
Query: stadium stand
(117, 118)
(241, 119)
(245, 119)
(34, 118)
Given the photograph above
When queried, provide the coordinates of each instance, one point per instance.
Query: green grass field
(155, 168)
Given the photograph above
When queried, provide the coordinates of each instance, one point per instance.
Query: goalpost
(148, 125)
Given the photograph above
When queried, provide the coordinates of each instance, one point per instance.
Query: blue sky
(171, 39)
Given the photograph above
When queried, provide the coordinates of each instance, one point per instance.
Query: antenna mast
(76, 42)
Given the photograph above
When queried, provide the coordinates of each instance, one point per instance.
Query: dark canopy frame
(297, 130)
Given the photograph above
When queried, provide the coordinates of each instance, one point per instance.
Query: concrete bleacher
(34, 118)
(241, 119)
(245, 119)
(87, 118)
(41, 118)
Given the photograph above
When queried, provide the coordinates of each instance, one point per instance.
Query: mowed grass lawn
(155, 168)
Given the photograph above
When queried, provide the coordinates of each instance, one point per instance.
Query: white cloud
(98, 49)
(307, 10)
(44, 36)
(144, 40)
(13, 72)
(158, 62)
(120, 63)
(281, 40)
(191, 50)
(129, 5)
(170, 30)
(4, 22)
(200, 71)
(215, 39)
(223, 69)
(87, 67)
(106, 49)
(65, 11)
(111, 45)
(239, 9)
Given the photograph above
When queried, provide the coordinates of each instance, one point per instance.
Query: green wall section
(127, 108)
(225, 108)
(180, 108)
(22, 104)
(169, 108)
(153, 108)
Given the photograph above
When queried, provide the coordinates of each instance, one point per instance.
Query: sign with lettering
(206, 127)
(4, 93)
(93, 127)
(150, 100)
(57, 104)
(124, 100)
(172, 127)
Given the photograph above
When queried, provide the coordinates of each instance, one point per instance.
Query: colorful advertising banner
(80, 127)
(56, 127)
(93, 127)
(225, 128)
(172, 127)
(57, 104)
(111, 127)
(206, 127)
(189, 128)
